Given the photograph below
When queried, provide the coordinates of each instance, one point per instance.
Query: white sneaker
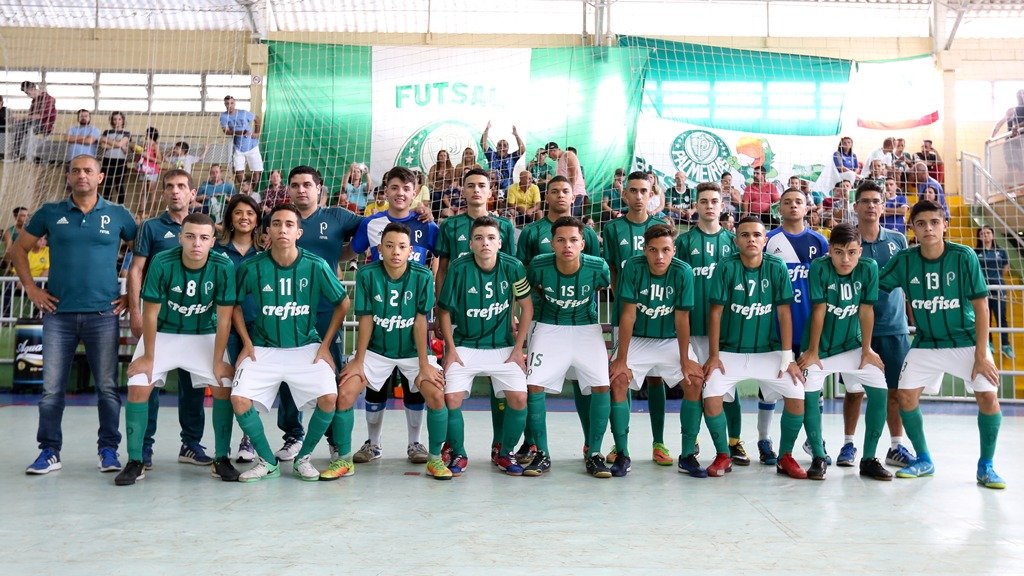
(261, 470)
(366, 453)
(304, 469)
(417, 453)
(245, 451)
(289, 450)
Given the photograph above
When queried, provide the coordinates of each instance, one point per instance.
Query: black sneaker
(873, 469)
(223, 469)
(620, 467)
(597, 468)
(738, 454)
(526, 453)
(133, 471)
(817, 469)
(541, 463)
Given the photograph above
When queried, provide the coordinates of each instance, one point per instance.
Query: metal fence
(17, 307)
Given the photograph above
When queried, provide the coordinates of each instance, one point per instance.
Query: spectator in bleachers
(1013, 151)
(541, 170)
(894, 216)
(838, 204)
(885, 154)
(41, 116)
(815, 222)
(996, 266)
(877, 172)
(728, 221)
(114, 146)
(3, 118)
(423, 196)
(732, 198)
(180, 159)
(499, 158)
(612, 205)
(246, 189)
(930, 156)
(679, 201)
(275, 193)
(357, 185)
(82, 138)
(244, 127)
(567, 164)
(844, 158)
(440, 177)
(467, 163)
(213, 194)
(759, 197)
(918, 175)
(656, 202)
(11, 235)
(379, 204)
(523, 200)
(148, 164)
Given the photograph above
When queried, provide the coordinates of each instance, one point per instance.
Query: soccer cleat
(586, 453)
(147, 457)
(367, 452)
(916, 469)
(810, 451)
(48, 461)
(621, 466)
(304, 469)
(689, 465)
(223, 469)
(261, 470)
(872, 468)
(817, 469)
(525, 454)
(446, 453)
(108, 461)
(612, 455)
(661, 455)
(417, 453)
(738, 453)
(437, 469)
(495, 452)
(847, 454)
(788, 466)
(899, 456)
(766, 453)
(721, 465)
(193, 453)
(508, 464)
(988, 478)
(541, 463)
(333, 453)
(696, 448)
(288, 452)
(135, 470)
(246, 453)
(338, 468)
(458, 464)
(597, 468)
(1008, 352)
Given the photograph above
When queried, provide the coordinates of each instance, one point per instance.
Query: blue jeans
(577, 206)
(61, 334)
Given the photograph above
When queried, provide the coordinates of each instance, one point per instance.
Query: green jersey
(189, 298)
(702, 252)
(535, 239)
(749, 297)
(454, 236)
(939, 292)
(567, 300)
(480, 303)
(622, 239)
(286, 297)
(842, 297)
(656, 297)
(393, 304)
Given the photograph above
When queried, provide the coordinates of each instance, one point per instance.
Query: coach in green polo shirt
(82, 302)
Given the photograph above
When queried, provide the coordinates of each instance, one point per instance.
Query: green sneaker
(661, 455)
(437, 469)
(337, 469)
(261, 470)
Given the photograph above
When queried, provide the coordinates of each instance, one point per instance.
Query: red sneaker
(788, 466)
(721, 465)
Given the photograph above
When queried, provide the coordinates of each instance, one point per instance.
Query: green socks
(812, 423)
(600, 408)
(437, 429)
(136, 418)
(536, 419)
(497, 417)
(988, 430)
(318, 424)
(874, 419)
(656, 404)
(223, 420)
(344, 420)
(457, 430)
(689, 423)
(913, 424)
(717, 427)
(734, 417)
(582, 408)
(791, 424)
(252, 426)
(620, 426)
(514, 421)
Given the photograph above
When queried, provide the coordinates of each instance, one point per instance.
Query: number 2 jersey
(393, 304)
(797, 251)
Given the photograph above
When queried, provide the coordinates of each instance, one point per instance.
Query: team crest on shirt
(764, 285)
(857, 286)
(207, 287)
(726, 250)
(503, 286)
(407, 297)
(950, 278)
(303, 284)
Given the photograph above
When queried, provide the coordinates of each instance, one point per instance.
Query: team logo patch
(378, 298)
(914, 280)
(832, 287)
(546, 241)
(62, 220)
(472, 290)
(176, 289)
(700, 154)
(764, 285)
(694, 252)
(644, 292)
(169, 234)
(462, 237)
(624, 242)
(268, 288)
(739, 287)
(950, 278)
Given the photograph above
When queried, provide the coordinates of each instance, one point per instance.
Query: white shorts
(505, 376)
(924, 368)
(701, 346)
(253, 158)
(259, 381)
(379, 368)
(556, 349)
(192, 353)
(655, 357)
(761, 367)
(847, 364)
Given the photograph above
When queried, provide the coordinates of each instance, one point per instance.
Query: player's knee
(794, 405)
(454, 401)
(220, 392)
(516, 400)
(988, 402)
(139, 393)
(712, 406)
(327, 402)
(531, 389)
(907, 399)
(240, 404)
(691, 392)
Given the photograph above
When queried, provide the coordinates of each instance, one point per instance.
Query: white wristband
(787, 359)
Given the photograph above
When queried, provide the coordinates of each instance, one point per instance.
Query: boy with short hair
(937, 277)
(393, 297)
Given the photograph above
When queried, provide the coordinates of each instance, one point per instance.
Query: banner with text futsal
(386, 106)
